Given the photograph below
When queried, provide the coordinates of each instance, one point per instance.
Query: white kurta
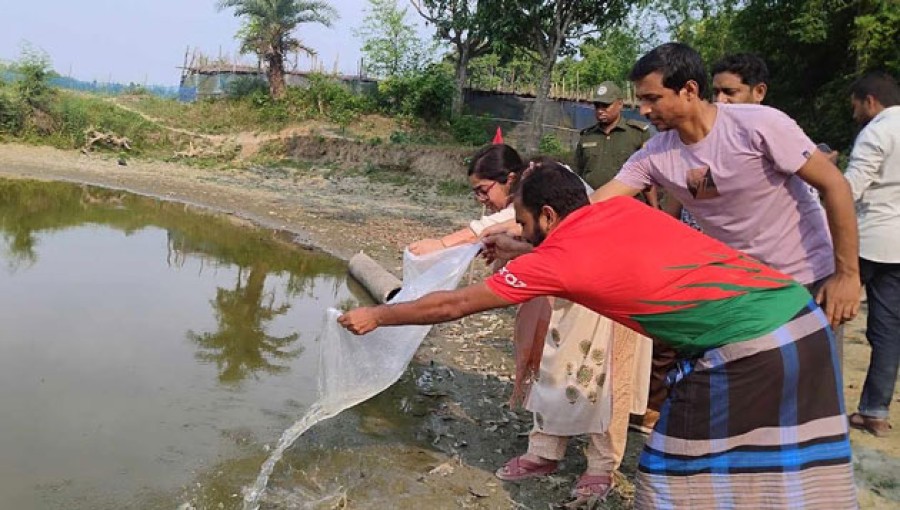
(572, 393)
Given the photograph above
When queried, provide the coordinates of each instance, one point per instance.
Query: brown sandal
(878, 427)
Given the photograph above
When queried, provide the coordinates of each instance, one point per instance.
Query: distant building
(211, 80)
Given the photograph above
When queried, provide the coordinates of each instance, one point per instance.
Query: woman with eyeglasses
(492, 172)
(578, 372)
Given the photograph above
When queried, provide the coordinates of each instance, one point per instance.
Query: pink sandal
(593, 486)
(520, 468)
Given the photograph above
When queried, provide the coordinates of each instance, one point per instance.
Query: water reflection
(136, 334)
(241, 345)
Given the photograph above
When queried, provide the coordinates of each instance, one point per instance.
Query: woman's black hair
(496, 162)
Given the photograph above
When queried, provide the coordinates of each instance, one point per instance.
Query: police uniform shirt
(599, 156)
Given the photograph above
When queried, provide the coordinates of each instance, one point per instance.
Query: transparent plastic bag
(353, 368)
(360, 367)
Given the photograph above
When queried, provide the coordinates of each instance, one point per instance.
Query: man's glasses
(482, 191)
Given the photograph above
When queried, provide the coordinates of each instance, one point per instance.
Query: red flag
(498, 137)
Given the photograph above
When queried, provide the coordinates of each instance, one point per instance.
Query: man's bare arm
(431, 308)
(839, 295)
(612, 189)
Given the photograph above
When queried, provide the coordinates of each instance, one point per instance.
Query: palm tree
(267, 31)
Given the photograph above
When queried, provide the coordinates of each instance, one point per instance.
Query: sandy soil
(468, 364)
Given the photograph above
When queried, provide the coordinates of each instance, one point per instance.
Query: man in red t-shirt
(756, 393)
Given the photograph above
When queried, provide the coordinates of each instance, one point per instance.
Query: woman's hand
(360, 321)
(509, 227)
(426, 246)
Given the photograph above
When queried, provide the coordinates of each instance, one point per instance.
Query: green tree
(466, 25)
(421, 94)
(607, 57)
(268, 27)
(550, 28)
(814, 49)
(34, 70)
(511, 69)
(390, 43)
(705, 25)
(486, 72)
(876, 30)
(11, 111)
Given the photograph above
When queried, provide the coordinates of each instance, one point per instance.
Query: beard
(537, 237)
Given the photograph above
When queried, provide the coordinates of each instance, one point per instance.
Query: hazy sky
(145, 40)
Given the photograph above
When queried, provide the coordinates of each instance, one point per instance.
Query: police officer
(604, 147)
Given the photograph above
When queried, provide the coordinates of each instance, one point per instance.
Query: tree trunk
(275, 73)
(536, 131)
(462, 75)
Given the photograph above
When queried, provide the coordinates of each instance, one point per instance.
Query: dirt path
(249, 143)
(469, 362)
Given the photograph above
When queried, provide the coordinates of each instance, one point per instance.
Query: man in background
(604, 147)
(874, 176)
(741, 78)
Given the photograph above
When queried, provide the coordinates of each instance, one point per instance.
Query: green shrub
(551, 146)
(33, 86)
(425, 94)
(413, 136)
(471, 129)
(400, 137)
(12, 113)
(325, 97)
(75, 116)
(246, 86)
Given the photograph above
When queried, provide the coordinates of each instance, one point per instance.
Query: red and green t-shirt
(652, 273)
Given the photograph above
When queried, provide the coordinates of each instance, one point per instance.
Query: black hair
(547, 182)
(751, 69)
(677, 62)
(878, 84)
(495, 162)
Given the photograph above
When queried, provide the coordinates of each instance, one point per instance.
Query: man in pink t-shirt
(731, 167)
(737, 180)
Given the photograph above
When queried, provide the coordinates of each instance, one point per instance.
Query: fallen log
(94, 136)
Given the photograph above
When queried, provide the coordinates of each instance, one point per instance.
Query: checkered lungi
(757, 424)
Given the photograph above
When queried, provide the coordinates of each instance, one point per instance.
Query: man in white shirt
(874, 176)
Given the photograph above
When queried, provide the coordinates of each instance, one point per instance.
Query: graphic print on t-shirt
(701, 184)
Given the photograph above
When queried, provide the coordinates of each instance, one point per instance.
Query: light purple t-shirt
(738, 182)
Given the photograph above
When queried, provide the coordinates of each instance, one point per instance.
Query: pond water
(144, 346)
